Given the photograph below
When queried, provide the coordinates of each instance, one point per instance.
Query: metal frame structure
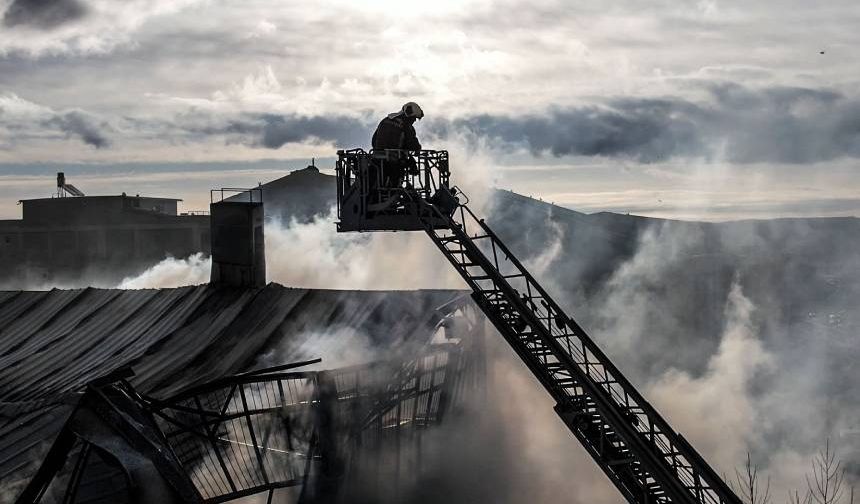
(263, 430)
(270, 429)
(631, 442)
(246, 434)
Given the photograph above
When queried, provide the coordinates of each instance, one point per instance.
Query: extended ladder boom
(637, 449)
(647, 460)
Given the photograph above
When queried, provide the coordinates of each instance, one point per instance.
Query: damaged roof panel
(53, 343)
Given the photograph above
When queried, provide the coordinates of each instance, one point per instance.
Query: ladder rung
(623, 461)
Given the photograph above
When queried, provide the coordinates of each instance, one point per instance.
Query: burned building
(225, 390)
(111, 395)
(71, 236)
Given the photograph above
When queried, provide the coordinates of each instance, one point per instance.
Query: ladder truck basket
(378, 190)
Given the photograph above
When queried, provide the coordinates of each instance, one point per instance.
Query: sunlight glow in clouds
(703, 83)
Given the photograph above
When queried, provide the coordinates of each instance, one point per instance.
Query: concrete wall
(238, 244)
(95, 209)
(72, 249)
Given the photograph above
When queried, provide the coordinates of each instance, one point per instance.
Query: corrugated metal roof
(52, 343)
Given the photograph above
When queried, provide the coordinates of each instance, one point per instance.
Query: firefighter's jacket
(395, 133)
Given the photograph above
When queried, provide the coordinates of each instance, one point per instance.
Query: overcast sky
(706, 109)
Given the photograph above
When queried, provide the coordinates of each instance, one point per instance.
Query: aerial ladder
(631, 442)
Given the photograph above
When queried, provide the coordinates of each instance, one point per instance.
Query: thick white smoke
(630, 294)
(752, 393)
(171, 272)
(337, 347)
(315, 255)
(714, 410)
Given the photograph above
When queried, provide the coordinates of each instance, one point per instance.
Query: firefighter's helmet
(411, 109)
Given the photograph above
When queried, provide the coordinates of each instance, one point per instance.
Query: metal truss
(274, 428)
(248, 433)
(635, 447)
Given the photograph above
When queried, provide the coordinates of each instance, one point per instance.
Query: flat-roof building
(103, 238)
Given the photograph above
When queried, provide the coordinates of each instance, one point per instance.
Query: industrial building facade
(76, 240)
(63, 239)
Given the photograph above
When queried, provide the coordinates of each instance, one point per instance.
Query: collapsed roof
(58, 341)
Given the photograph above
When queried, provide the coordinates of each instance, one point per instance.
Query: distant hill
(302, 195)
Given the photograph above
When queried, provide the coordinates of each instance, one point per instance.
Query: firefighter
(396, 132)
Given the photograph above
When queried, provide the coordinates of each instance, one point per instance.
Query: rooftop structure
(103, 238)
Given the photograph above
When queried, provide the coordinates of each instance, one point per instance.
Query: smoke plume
(171, 272)
(715, 410)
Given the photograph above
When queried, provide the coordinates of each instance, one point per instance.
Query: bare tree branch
(828, 475)
(795, 498)
(748, 485)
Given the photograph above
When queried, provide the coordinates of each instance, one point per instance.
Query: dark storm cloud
(648, 130)
(81, 125)
(273, 131)
(733, 124)
(45, 14)
(741, 125)
(278, 130)
(736, 124)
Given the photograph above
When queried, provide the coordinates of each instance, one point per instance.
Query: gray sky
(708, 109)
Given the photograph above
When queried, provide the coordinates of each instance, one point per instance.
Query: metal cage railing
(372, 187)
